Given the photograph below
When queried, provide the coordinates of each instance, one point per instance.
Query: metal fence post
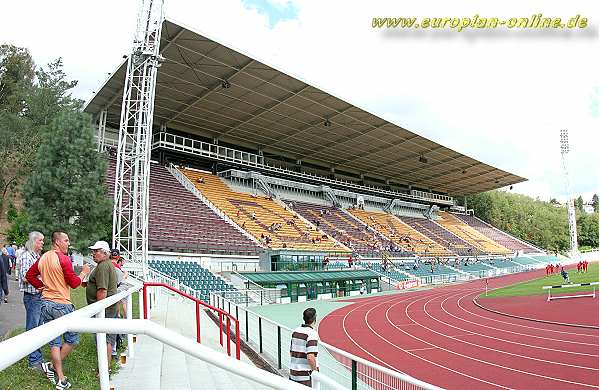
(354, 375)
(145, 307)
(279, 352)
(198, 321)
(102, 350)
(140, 304)
(247, 327)
(260, 332)
(130, 347)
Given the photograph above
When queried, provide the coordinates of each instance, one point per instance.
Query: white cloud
(498, 96)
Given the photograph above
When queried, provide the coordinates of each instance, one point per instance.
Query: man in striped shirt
(304, 349)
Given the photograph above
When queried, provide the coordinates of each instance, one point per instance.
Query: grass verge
(535, 287)
(80, 366)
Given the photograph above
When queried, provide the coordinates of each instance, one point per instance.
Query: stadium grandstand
(264, 190)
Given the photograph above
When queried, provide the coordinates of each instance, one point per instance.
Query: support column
(101, 130)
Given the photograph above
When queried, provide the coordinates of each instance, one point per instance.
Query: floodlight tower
(565, 148)
(131, 190)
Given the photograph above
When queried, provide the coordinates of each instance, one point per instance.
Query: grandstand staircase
(160, 367)
(187, 183)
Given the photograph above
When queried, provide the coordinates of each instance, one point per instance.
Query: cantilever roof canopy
(208, 89)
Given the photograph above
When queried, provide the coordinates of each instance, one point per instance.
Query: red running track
(440, 336)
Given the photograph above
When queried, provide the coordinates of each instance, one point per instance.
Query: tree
(540, 223)
(51, 95)
(579, 203)
(17, 71)
(29, 100)
(595, 203)
(66, 189)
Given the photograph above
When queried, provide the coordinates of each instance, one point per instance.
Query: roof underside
(267, 109)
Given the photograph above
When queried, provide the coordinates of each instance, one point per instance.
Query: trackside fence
(272, 341)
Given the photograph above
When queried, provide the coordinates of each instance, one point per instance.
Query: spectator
(103, 284)
(32, 298)
(362, 289)
(304, 350)
(4, 264)
(12, 250)
(121, 275)
(6, 260)
(56, 272)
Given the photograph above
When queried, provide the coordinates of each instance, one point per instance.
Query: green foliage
(18, 230)
(535, 221)
(11, 212)
(579, 204)
(66, 189)
(595, 202)
(51, 94)
(17, 72)
(29, 100)
(588, 230)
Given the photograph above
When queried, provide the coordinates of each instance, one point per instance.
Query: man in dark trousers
(103, 284)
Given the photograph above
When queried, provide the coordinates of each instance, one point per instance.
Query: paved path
(12, 314)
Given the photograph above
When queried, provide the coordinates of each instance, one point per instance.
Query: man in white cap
(102, 283)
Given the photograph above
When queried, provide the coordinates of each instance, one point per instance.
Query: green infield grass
(535, 286)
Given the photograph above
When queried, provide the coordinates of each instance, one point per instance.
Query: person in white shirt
(304, 350)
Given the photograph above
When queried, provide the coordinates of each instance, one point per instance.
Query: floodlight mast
(132, 179)
(565, 149)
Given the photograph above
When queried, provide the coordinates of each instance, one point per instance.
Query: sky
(500, 96)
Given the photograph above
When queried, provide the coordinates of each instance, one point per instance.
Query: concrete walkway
(157, 366)
(12, 314)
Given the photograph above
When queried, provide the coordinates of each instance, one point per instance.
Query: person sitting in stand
(201, 180)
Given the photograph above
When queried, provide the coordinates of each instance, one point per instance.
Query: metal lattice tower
(565, 148)
(131, 191)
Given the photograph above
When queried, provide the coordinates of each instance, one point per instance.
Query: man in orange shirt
(55, 270)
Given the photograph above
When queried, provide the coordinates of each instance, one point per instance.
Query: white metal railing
(157, 276)
(212, 151)
(272, 340)
(22, 344)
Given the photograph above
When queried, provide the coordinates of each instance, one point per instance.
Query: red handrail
(199, 302)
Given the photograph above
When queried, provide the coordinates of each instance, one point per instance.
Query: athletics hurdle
(549, 297)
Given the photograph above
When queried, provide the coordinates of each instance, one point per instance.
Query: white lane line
(499, 350)
(531, 327)
(421, 349)
(478, 324)
(480, 360)
(414, 355)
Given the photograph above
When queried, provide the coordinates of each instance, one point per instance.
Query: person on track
(565, 275)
